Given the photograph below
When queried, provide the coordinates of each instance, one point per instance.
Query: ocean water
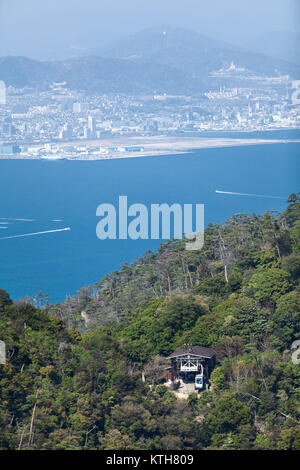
(59, 194)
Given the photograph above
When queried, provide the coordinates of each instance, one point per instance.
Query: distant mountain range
(158, 60)
(279, 44)
(92, 74)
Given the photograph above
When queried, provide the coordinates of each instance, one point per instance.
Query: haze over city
(62, 28)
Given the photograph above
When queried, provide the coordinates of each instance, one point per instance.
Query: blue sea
(59, 194)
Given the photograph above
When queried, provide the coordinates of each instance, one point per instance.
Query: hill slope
(279, 44)
(171, 61)
(91, 74)
(188, 50)
(63, 390)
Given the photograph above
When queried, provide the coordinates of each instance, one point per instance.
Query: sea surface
(52, 195)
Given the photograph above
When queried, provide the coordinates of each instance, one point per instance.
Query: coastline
(154, 146)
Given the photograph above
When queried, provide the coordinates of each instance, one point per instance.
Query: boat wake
(20, 220)
(247, 194)
(35, 233)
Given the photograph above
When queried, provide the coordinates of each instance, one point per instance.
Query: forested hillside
(72, 379)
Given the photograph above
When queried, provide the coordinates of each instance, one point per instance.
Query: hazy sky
(55, 28)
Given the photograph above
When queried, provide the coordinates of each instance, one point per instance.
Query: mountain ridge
(278, 44)
(171, 61)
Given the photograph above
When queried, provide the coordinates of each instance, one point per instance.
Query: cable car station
(191, 367)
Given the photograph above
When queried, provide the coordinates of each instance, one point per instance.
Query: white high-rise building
(66, 132)
(91, 127)
(80, 107)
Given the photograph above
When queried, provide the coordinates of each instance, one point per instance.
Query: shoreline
(151, 147)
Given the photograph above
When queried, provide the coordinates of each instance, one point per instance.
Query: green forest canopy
(72, 379)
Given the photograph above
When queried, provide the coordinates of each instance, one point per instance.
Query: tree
(4, 299)
(286, 319)
(267, 286)
(228, 415)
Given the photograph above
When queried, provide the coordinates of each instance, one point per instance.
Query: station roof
(200, 351)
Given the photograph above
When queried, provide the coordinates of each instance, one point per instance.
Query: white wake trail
(36, 233)
(21, 220)
(247, 194)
